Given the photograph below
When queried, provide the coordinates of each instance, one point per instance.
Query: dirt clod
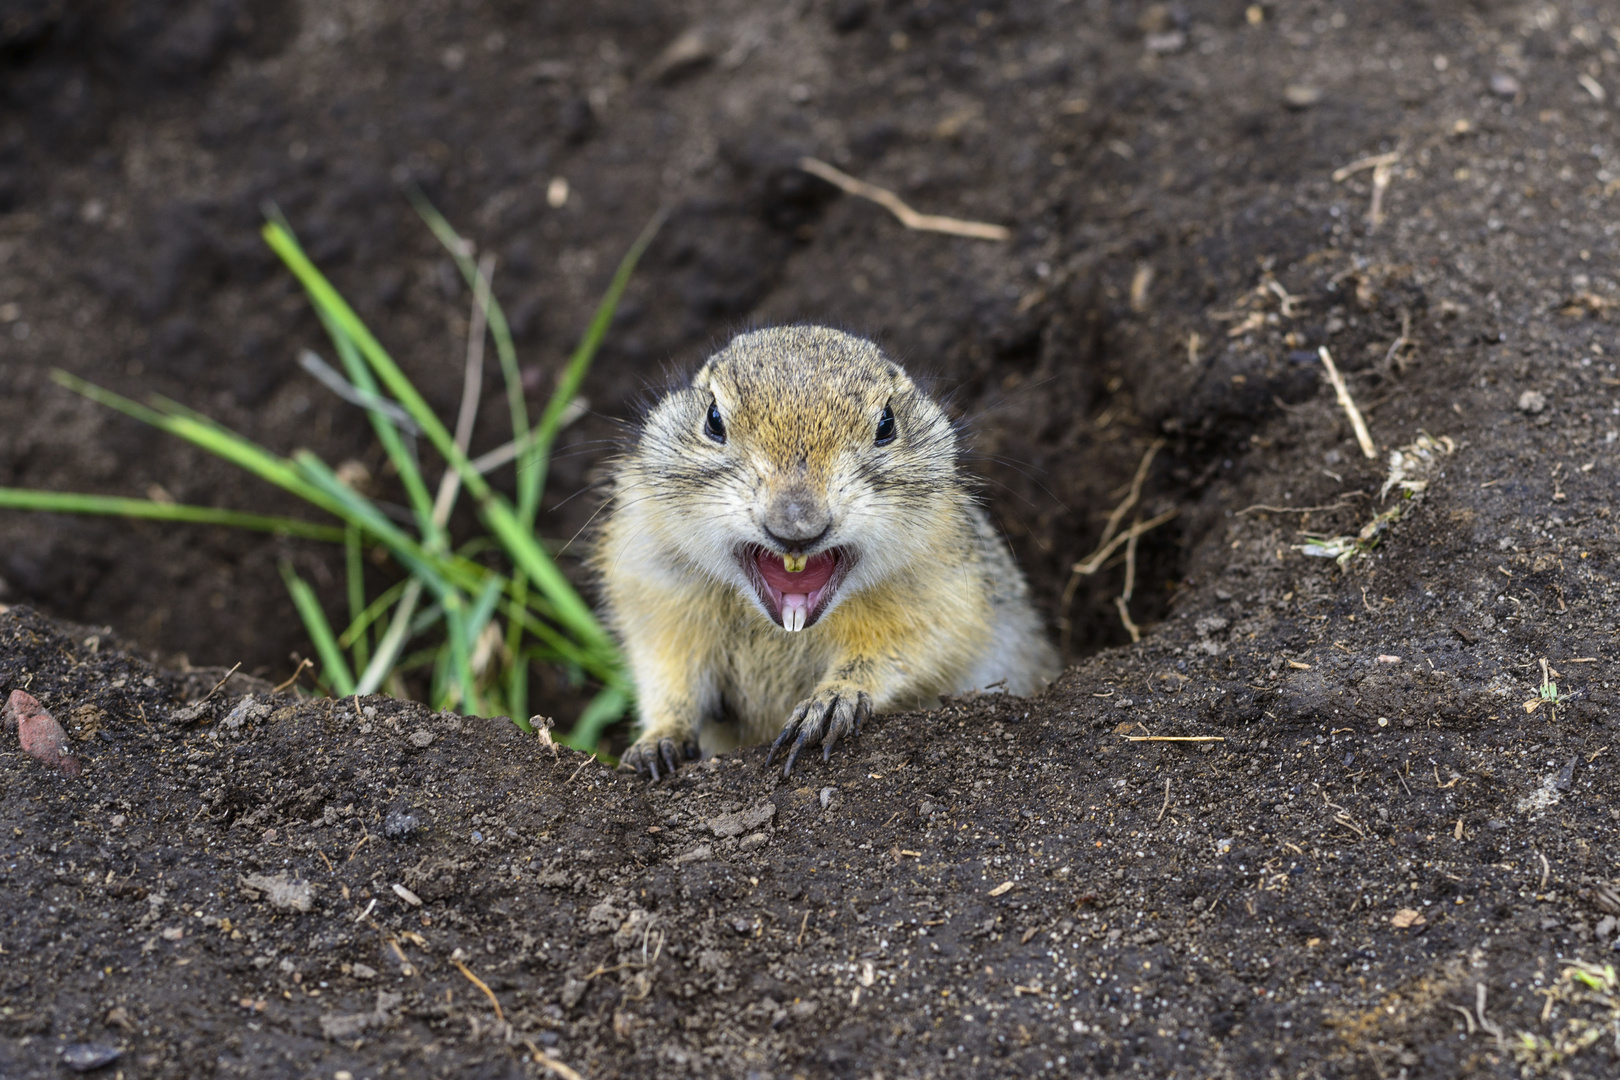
(280, 891)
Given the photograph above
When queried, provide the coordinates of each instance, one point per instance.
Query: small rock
(1172, 42)
(827, 797)
(604, 918)
(697, 854)
(83, 1057)
(753, 842)
(1505, 85)
(573, 990)
(421, 738)
(41, 737)
(362, 971)
(742, 821)
(1532, 402)
(1300, 96)
(282, 892)
(335, 1027)
(247, 711)
(1606, 926)
(400, 823)
(406, 895)
(696, 46)
(801, 1010)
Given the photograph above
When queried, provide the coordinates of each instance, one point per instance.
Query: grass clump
(472, 615)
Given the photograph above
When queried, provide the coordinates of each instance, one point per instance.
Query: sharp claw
(666, 750)
(799, 744)
(787, 731)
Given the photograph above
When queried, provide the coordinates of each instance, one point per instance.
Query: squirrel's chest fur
(803, 451)
(917, 638)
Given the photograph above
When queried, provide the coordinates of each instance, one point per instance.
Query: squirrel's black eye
(714, 427)
(885, 428)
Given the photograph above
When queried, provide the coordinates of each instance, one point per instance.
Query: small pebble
(1171, 42)
(1505, 85)
(40, 736)
(1300, 96)
(400, 823)
(422, 738)
(1532, 402)
(82, 1057)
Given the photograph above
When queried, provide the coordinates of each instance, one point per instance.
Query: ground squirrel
(791, 545)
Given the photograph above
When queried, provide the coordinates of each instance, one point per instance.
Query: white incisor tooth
(795, 609)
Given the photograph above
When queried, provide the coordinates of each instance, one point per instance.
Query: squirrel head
(800, 465)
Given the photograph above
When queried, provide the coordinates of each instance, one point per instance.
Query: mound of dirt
(1348, 808)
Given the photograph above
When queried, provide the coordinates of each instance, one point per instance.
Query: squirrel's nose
(797, 521)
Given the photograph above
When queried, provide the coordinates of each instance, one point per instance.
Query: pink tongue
(817, 572)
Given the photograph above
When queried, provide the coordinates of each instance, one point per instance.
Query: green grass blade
(514, 536)
(604, 708)
(494, 315)
(484, 606)
(517, 674)
(203, 433)
(372, 613)
(67, 502)
(536, 458)
(333, 666)
(359, 510)
(459, 687)
(400, 452)
(355, 575)
(333, 305)
(386, 661)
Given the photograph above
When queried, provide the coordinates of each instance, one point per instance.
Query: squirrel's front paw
(652, 751)
(824, 718)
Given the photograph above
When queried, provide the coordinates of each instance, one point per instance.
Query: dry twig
(306, 662)
(1362, 164)
(472, 383)
(1174, 738)
(545, 1061)
(1383, 170)
(1123, 600)
(476, 981)
(1094, 562)
(1262, 507)
(1348, 403)
(911, 219)
(581, 769)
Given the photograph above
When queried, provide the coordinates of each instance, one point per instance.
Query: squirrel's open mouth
(795, 589)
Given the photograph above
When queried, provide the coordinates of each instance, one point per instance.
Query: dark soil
(1384, 840)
